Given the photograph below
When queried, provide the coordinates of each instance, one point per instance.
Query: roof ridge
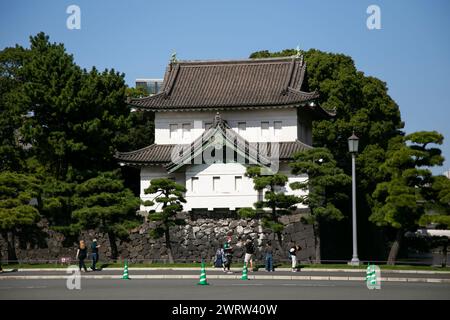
(302, 143)
(314, 94)
(142, 149)
(248, 60)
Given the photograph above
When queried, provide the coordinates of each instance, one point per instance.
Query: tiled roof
(161, 153)
(154, 153)
(174, 156)
(229, 84)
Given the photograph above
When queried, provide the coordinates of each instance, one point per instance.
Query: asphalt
(219, 289)
(315, 275)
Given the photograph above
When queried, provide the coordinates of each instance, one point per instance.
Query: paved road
(219, 289)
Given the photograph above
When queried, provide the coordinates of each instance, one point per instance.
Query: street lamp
(353, 149)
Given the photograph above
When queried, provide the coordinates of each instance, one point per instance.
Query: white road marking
(29, 287)
(307, 285)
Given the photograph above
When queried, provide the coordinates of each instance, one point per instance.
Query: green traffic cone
(203, 281)
(371, 277)
(125, 271)
(244, 273)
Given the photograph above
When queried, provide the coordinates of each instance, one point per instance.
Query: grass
(235, 265)
(382, 266)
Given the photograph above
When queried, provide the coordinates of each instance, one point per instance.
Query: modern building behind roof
(215, 118)
(151, 86)
(447, 174)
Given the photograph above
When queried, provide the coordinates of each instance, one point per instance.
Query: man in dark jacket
(227, 257)
(249, 252)
(94, 249)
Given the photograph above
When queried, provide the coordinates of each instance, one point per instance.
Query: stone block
(233, 224)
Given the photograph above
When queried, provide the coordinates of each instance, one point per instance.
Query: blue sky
(411, 52)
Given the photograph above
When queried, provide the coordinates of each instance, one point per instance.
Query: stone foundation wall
(198, 239)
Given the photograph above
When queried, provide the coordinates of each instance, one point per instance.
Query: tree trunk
(444, 253)
(316, 227)
(112, 243)
(10, 238)
(280, 244)
(395, 247)
(168, 245)
(279, 236)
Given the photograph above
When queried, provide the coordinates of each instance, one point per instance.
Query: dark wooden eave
(160, 154)
(170, 155)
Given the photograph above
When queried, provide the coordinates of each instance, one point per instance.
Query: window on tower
(277, 125)
(242, 126)
(173, 130)
(186, 130)
(265, 128)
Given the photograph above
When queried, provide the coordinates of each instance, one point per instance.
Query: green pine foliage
(439, 209)
(17, 210)
(169, 198)
(12, 151)
(16, 194)
(275, 202)
(401, 199)
(326, 187)
(63, 124)
(102, 202)
(363, 105)
(77, 119)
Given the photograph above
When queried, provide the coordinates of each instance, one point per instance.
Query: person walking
(227, 257)
(293, 255)
(218, 261)
(249, 251)
(81, 255)
(269, 257)
(95, 256)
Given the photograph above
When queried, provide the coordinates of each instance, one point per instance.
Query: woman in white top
(293, 254)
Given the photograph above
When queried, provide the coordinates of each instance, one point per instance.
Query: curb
(382, 270)
(232, 277)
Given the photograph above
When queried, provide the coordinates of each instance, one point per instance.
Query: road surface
(219, 289)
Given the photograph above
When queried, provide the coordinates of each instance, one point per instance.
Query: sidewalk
(362, 270)
(310, 274)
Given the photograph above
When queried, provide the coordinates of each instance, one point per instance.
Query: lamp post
(353, 149)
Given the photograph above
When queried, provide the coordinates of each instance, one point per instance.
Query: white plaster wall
(226, 195)
(285, 169)
(252, 118)
(154, 172)
(204, 197)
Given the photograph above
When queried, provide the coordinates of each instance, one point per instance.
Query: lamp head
(353, 142)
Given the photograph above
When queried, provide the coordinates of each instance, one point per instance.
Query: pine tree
(400, 201)
(326, 187)
(78, 118)
(275, 204)
(12, 150)
(102, 202)
(171, 195)
(362, 104)
(17, 192)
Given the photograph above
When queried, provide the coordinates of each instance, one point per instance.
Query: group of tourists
(82, 254)
(223, 259)
(224, 255)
